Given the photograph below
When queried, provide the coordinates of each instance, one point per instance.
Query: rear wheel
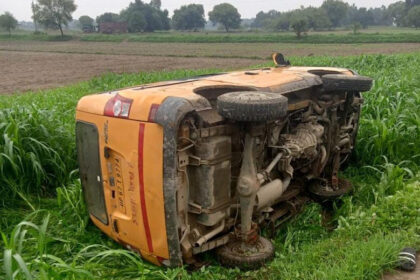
(250, 106)
(341, 82)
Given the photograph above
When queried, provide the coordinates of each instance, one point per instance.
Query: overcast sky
(21, 9)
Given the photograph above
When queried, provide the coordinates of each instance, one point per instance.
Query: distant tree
(336, 11)
(246, 23)
(317, 18)
(107, 17)
(189, 17)
(55, 13)
(35, 15)
(86, 23)
(299, 24)
(226, 15)
(413, 17)
(281, 22)
(157, 4)
(8, 22)
(356, 26)
(265, 20)
(362, 16)
(397, 12)
(379, 16)
(259, 20)
(145, 17)
(411, 3)
(351, 14)
(136, 21)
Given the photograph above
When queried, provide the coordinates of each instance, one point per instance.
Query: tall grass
(37, 163)
(54, 244)
(37, 147)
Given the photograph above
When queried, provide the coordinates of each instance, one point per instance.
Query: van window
(87, 141)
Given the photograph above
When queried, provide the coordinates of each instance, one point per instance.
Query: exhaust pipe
(269, 193)
(203, 239)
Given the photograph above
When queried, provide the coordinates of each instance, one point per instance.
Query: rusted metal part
(215, 131)
(211, 174)
(247, 185)
(250, 236)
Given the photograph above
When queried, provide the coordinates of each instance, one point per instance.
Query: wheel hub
(241, 248)
(324, 189)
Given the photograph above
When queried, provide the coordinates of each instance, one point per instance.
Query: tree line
(335, 13)
(148, 17)
(332, 14)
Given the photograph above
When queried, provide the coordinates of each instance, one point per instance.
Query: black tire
(252, 106)
(407, 259)
(341, 82)
(230, 256)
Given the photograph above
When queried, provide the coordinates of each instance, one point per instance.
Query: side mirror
(279, 60)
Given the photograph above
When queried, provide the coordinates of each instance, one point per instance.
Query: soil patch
(24, 71)
(245, 50)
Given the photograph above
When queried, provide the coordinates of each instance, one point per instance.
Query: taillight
(118, 107)
(152, 113)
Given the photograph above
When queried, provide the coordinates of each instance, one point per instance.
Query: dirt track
(23, 71)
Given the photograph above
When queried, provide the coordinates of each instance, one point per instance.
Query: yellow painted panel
(121, 183)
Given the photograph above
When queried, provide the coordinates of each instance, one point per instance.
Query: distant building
(113, 27)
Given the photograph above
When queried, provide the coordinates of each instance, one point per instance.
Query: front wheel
(246, 256)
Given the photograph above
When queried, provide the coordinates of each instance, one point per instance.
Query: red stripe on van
(141, 183)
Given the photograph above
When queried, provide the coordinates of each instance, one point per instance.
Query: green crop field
(45, 229)
(385, 35)
(317, 38)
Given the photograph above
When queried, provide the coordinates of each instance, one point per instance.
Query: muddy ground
(32, 65)
(26, 71)
(245, 50)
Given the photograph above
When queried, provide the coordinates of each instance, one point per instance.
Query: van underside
(177, 169)
(286, 160)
